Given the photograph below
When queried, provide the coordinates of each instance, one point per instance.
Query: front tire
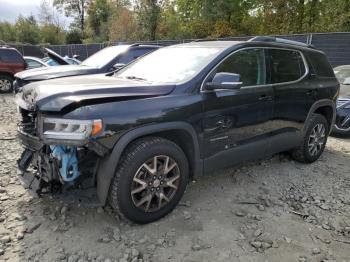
(314, 141)
(6, 83)
(150, 180)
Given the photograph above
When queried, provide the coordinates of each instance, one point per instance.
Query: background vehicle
(11, 62)
(107, 60)
(34, 62)
(176, 114)
(342, 124)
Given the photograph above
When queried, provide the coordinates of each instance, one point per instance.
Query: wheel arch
(325, 107)
(181, 133)
(6, 73)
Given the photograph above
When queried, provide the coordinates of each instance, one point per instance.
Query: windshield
(170, 65)
(105, 56)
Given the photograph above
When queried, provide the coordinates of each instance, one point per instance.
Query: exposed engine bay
(57, 168)
(54, 167)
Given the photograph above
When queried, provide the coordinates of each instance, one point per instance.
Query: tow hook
(68, 162)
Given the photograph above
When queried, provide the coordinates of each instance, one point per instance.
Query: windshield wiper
(136, 78)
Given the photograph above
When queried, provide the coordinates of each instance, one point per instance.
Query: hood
(344, 91)
(45, 73)
(56, 57)
(58, 94)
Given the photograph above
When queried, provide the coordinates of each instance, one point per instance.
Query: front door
(235, 123)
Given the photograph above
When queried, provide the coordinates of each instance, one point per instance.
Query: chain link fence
(335, 45)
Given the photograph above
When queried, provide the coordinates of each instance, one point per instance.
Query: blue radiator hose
(69, 161)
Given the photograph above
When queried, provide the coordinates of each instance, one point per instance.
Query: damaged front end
(59, 151)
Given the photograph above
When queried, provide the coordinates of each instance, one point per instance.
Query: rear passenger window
(10, 56)
(320, 65)
(285, 66)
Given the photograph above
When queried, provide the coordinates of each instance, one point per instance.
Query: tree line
(137, 20)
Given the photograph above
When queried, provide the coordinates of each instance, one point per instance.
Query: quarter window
(285, 66)
(249, 64)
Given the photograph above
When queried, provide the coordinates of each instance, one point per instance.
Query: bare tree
(75, 9)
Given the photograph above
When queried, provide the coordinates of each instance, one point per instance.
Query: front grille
(28, 122)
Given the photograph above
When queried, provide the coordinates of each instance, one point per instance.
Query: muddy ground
(274, 210)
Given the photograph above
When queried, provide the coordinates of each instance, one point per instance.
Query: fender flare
(319, 104)
(108, 165)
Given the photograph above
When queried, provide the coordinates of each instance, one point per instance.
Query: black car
(342, 124)
(107, 60)
(181, 112)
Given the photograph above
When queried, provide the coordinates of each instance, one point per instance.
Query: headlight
(69, 129)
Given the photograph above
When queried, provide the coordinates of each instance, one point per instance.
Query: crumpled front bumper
(30, 142)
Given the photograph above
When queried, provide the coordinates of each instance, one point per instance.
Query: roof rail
(146, 44)
(278, 40)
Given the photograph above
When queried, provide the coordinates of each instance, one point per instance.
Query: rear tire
(150, 180)
(6, 83)
(314, 141)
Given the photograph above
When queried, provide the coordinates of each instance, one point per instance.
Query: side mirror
(224, 80)
(117, 66)
(346, 81)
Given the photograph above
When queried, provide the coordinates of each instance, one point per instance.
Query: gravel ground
(273, 210)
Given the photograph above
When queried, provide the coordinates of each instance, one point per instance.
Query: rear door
(294, 95)
(235, 122)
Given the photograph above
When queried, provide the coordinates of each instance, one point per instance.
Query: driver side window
(249, 64)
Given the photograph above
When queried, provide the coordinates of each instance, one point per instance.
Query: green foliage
(98, 14)
(147, 14)
(119, 20)
(27, 30)
(7, 32)
(52, 34)
(74, 36)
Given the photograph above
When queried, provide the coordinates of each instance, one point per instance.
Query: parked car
(342, 124)
(34, 62)
(54, 59)
(11, 62)
(72, 60)
(104, 61)
(181, 112)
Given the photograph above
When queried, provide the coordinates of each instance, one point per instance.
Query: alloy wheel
(5, 85)
(317, 139)
(155, 183)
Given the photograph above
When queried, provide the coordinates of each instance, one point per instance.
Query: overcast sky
(11, 9)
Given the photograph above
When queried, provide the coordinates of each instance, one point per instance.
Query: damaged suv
(183, 111)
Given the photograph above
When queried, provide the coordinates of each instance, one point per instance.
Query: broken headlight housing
(70, 129)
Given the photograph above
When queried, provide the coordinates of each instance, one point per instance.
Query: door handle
(265, 98)
(311, 92)
(219, 125)
(227, 123)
